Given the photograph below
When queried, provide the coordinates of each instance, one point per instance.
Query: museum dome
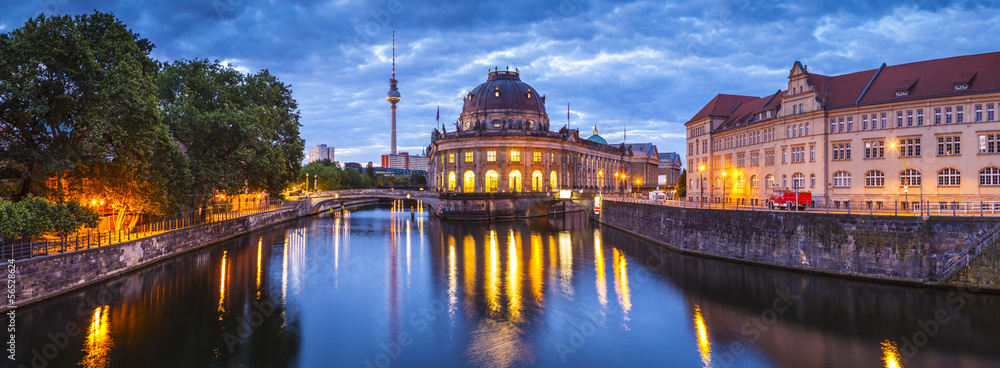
(597, 138)
(503, 102)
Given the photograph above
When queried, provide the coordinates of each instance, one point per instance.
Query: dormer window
(496, 92)
(905, 88)
(961, 87)
(902, 93)
(529, 95)
(963, 81)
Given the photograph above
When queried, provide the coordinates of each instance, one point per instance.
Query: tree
(240, 131)
(34, 216)
(681, 187)
(331, 177)
(77, 104)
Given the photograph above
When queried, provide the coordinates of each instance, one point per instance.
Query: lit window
(496, 93)
(537, 157)
(769, 181)
(949, 145)
(949, 178)
(515, 156)
(468, 156)
(451, 158)
(491, 156)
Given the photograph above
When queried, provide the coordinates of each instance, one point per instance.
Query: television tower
(393, 95)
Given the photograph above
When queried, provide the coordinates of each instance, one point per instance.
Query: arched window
(949, 178)
(536, 181)
(807, 128)
(553, 181)
(741, 182)
(909, 177)
(800, 130)
(841, 179)
(515, 181)
(989, 176)
(492, 180)
(452, 181)
(812, 180)
(798, 180)
(769, 181)
(874, 178)
(469, 182)
(729, 182)
(718, 182)
(754, 181)
(788, 131)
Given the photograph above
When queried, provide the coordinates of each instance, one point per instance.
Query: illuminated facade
(502, 144)
(927, 130)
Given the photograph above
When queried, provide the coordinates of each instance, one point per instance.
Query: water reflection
(98, 341)
(701, 333)
(602, 284)
(890, 355)
(495, 295)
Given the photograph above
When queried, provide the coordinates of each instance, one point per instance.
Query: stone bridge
(462, 206)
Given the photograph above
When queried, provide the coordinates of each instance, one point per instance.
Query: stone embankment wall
(901, 248)
(43, 277)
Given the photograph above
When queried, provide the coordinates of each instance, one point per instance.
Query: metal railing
(963, 258)
(15, 249)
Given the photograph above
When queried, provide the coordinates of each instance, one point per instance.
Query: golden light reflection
(536, 267)
(336, 249)
(602, 284)
(890, 355)
(452, 278)
(260, 248)
(493, 275)
(513, 278)
(621, 281)
(408, 252)
(566, 263)
(469, 255)
(704, 346)
(98, 341)
(222, 284)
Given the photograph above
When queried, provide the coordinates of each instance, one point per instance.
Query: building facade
(669, 169)
(502, 144)
(321, 152)
(924, 132)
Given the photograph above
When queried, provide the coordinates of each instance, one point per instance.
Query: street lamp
(600, 179)
(906, 178)
(701, 184)
(723, 190)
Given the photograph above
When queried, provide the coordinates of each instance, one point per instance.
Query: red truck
(786, 199)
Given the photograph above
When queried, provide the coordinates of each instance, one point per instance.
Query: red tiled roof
(722, 106)
(740, 117)
(843, 90)
(936, 78)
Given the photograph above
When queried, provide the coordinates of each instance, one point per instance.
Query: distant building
(396, 161)
(352, 165)
(320, 152)
(388, 171)
(669, 169)
(643, 165)
(418, 163)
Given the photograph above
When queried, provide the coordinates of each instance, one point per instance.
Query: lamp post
(906, 178)
(307, 182)
(723, 189)
(600, 180)
(701, 185)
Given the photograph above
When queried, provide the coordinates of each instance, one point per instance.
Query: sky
(641, 67)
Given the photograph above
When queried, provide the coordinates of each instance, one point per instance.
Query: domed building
(502, 144)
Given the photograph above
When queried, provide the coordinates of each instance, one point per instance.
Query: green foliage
(331, 177)
(35, 216)
(240, 131)
(681, 188)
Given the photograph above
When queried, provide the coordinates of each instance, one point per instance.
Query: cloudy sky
(644, 66)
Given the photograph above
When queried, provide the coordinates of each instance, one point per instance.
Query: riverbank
(912, 250)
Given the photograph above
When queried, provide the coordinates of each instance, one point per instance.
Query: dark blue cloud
(645, 65)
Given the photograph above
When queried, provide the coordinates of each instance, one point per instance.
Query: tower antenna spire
(393, 54)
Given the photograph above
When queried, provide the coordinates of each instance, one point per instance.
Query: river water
(379, 288)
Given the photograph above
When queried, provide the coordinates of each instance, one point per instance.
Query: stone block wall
(43, 277)
(900, 248)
